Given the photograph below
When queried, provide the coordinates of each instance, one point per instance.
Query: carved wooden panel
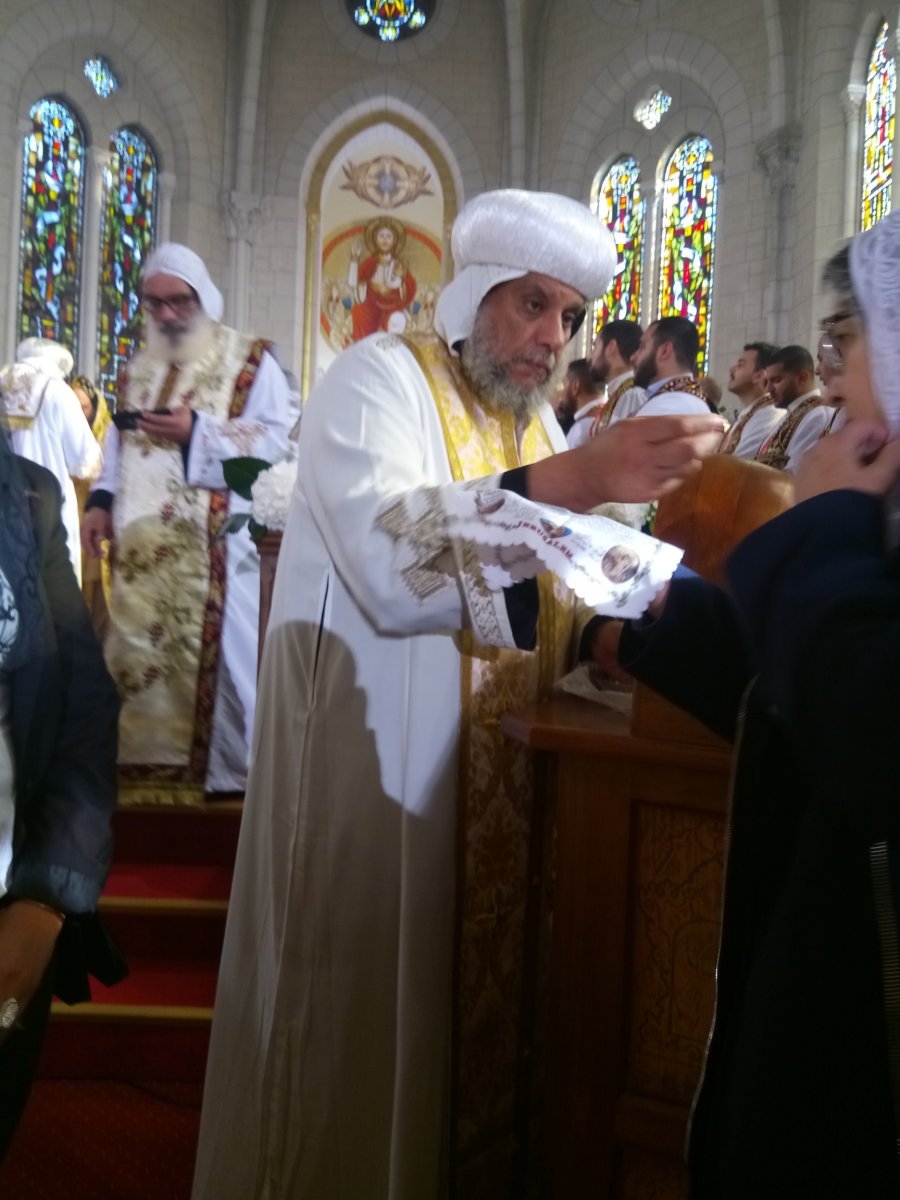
(677, 902)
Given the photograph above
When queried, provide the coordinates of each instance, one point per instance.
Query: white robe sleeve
(807, 434)
(108, 478)
(81, 450)
(373, 466)
(629, 405)
(758, 430)
(261, 431)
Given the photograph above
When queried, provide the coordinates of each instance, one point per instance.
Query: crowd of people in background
(777, 413)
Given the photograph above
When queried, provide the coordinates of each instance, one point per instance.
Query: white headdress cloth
(503, 235)
(171, 258)
(875, 272)
(47, 355)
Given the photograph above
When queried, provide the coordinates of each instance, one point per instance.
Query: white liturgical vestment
(328, 1074)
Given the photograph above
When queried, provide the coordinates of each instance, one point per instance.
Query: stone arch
(859, 64)
(377, 94)
(680, 54)
(322, 153)
(47, 23)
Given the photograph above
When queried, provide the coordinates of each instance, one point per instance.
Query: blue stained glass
(689, 237)
(51, 216)
(878, 147)
(127, 236)
(100, 73)
(389, 20)
(616, 200)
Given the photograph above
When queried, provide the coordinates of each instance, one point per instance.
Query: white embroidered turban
(171, 258)
(503, 235)
(48, 356)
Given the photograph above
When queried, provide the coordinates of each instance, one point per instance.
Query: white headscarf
(46, 356)
(504, 235)
(875, 273)
(171, 258)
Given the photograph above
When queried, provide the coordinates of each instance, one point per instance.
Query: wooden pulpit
(638, 808)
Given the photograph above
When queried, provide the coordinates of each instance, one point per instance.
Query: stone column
(24, 128)
(164, 207)
(243, 211)
(96, 162)
(852, 99)
(778, 154)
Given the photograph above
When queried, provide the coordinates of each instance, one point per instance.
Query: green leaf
(242, 473)
(234, 523)
(256, 530)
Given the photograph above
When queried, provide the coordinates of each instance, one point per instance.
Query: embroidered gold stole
(732, 437)
(605, 415)
(775, 452)
(169, 579)
(495, 803)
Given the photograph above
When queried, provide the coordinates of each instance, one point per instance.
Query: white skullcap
(875, 273)
(505, 234)
(49, 356)
(171, 258)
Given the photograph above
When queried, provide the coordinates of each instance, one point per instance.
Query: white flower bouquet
(268, 488)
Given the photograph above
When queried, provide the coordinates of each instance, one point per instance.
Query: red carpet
(92, 1131)
(94, 1140)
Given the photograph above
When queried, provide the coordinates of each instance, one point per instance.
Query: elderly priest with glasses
(184, 602)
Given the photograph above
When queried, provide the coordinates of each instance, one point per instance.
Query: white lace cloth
(612, 568)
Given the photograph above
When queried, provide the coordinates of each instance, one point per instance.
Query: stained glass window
(102, 77)
(651, 111)
(127, 235)
(50, 243)
(689, 238)
(389, 20)
(878, 147)
(616, 199)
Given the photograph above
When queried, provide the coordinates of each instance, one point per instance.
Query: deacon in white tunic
(377, 751)
(47, 425)
(184, 604)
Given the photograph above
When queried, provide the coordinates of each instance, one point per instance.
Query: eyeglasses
(834, 342)
(180, 305)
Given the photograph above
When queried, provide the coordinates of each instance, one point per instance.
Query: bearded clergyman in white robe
(386, 819)
(184, 603)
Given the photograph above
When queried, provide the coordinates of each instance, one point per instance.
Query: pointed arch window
(51, 219)
(689, 237)
(878, 144)
(127, 235)
(616, 200)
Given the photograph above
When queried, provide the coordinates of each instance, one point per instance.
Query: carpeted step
(154, 1024)
(168, 834)
(165, 904)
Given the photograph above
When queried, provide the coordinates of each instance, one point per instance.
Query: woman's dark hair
(837, 278)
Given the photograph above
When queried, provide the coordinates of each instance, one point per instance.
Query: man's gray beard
(187, 346)
(487, 376)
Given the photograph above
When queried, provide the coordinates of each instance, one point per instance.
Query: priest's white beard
(181, 343)
(486, 373)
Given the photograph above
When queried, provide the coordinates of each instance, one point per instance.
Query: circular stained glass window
(390, 20)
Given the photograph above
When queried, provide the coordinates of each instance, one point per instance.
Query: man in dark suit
(58, 718)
